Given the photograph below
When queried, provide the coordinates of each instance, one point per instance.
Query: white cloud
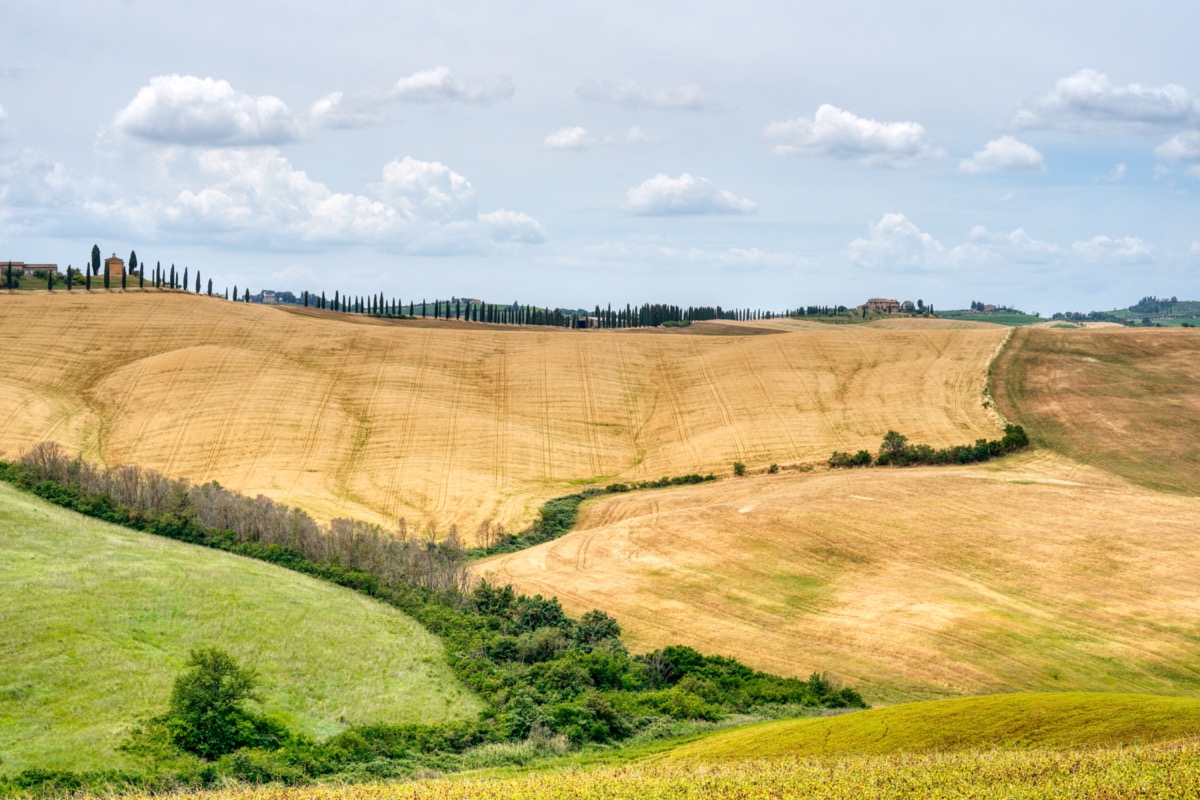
(1005, 153)
(335, 110)
(894, 241)
(1127, 249)
(184, 109)
(569, 138)
(840, 134)
(628, 94)
(439, 85)
(1195, 250)
(636, 135)
(663, 195)
(641, 253)
(4, 125)
(256, 196)
(513, 226)
(1088, 102)
(1180, 147)
(1117, 173)
(984, 247)
(33, 188)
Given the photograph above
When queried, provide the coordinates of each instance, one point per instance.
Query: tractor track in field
(634, 419)
(720, 402)
(501, 400)
(403, 451)
(589, 407)
(675, 408)
(764, 397)
(449, 452)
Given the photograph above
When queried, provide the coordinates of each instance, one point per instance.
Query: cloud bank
(1088, 102)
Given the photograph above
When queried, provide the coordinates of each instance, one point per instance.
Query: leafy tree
(893, 449)
(739, 469)
(95, 259)
(207, 714)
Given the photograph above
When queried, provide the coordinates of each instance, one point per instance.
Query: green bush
(739, 469)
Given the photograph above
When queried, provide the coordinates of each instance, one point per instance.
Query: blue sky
(764, 154)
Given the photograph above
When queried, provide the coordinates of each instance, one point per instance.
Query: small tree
(207, 714)
(95, 259)
(739, 469)
(133, 262)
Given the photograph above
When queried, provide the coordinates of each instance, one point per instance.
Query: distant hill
(98, 621)
(456, 422)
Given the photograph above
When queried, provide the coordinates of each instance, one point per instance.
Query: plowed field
(1029, 573)
(457, 422)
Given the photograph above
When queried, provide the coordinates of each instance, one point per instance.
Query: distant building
(988, 307)
(587, 322)
(883, 304)
(114, 268)
(29, 269)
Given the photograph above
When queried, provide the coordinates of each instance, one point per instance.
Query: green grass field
(1046, 721)
(98, 620)
(997, 317)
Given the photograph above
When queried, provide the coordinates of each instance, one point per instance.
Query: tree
(893, 449)
(210, 287)
(185, 279)
(739, 468)
(133, 263)
(197, 281)
(207, 714)
(95, 259)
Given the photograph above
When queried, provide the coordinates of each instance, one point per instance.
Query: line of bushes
(546, 677)
(556, 517)
(896, 451)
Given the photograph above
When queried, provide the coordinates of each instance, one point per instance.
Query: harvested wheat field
(456, 422)
(1027, 573)
(1123, 400)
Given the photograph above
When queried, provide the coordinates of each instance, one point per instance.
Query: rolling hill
(1052, 720)
(98, 621)
(459, 422)
(1028, 573)
(1127, 401)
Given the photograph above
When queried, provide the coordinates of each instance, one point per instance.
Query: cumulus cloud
(33, 180)
(256, 195)
(836, 133)
(628, 94)
(185, 109)
(894, 241)
(1127, 249)
(336, 110)
(568, 138)
(1088, 102)
(438, 85)
(636, 135)
(1180, 147)
(663, 195)
(1005, 153)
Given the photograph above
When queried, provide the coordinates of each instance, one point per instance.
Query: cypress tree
(235, 293)
(423, 305)
(49, 281)
(197, 281)
(322, 300)
(247, 294)
(105, 279)
(306, 298)
(142, 278)
(95, 259)
(70, 277)
(8, 277)
(88, 277)
(335, 300)
(184, 284)
(133, 264)
(123, 281)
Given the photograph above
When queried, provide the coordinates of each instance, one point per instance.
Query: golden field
(457, 422)
(1031, 572)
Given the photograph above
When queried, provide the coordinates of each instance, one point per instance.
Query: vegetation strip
(896, 451)
(548, 678)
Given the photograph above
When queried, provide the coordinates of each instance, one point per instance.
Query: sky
(769, 155)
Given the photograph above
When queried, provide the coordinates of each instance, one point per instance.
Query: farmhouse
(30, 269)
(883, 304)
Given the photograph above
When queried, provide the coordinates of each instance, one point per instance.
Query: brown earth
(1029, 573)
(1124, 400)
(458, 422)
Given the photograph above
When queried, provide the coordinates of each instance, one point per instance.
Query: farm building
(114, 267)
(883, 304)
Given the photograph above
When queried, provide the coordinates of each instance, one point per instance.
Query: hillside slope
(457, 422)
(1026, 573)
(1127, 401)
(98, 621)
(1051, 720)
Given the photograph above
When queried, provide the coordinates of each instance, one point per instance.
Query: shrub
(739, 468)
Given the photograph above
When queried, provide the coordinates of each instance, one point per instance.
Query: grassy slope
(1026, 573)
(1008, 721)
(98, 620)
(1127, 401)
(458, 422)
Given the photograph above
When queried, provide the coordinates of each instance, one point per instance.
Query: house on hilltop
(114, 268)
(883, 304)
